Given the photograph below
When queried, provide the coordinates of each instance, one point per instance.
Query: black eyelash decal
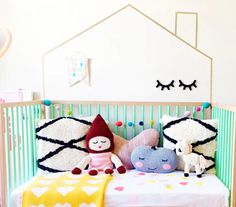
(159, 84)
(193, 84)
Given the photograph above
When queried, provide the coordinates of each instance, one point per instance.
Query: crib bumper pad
(66, 189)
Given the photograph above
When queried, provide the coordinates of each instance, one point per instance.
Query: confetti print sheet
(137, 189)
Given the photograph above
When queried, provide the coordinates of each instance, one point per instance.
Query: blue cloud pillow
(153, 159)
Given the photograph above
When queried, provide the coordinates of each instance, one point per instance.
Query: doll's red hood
(99, 128)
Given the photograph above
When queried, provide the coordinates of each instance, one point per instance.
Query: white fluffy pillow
(61, 143)
(201, 133)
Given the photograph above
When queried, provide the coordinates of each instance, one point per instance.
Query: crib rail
(226, 147)
(134, 116)
(18, 151)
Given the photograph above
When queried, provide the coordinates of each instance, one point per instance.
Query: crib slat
(223, 143)
(160, 126)
(151, 122)
(125, 121)
(31, 142)
(13, 146)
(134, 120)
(218, 145)
(18, 148)
(52, 109)
(177, 111)
(116, 118)
(216, 157)
(71, 110)
(90, 109)
(9, 180)
(27, 141)
(168, 110)
(231, 145)
(107, 110)
(22, 144)
(62, 109)
(143, 115)
(99, 109)
(40, 111)
(185, 108)
(33, 111)
(194, 112)
(80, 110)
(227, 139)
(203, 113)
(220, 142)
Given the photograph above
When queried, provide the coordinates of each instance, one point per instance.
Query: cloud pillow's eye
(164, 160)
(163, 86)
(189, 86)
(141, 158)
(103, 141)
(95, 142)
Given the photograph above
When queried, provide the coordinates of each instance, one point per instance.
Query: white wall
(40, 25)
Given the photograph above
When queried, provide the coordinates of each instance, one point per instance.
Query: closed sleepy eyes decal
(163, 86)
(189, 86)
(181, 84)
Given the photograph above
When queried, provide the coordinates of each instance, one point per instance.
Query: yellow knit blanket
(66, 190)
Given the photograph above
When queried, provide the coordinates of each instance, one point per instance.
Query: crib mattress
(139, 189)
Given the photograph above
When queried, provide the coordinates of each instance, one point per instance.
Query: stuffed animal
(123, 147)
(190, 158)
(154, 159)
(99, 143)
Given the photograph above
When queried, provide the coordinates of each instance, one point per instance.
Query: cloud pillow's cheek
(139, 164)
(166, 166)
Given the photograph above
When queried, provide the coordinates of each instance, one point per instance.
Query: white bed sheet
(137, 189)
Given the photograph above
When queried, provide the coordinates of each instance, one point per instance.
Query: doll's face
(99, 143)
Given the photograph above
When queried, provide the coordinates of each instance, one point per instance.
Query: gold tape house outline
(152, 20)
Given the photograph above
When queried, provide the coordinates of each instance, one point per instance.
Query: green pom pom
(151, 122)
(69, 113)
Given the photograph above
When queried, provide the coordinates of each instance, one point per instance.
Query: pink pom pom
(198, 108)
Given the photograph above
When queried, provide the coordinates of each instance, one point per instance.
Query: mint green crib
(18, 143)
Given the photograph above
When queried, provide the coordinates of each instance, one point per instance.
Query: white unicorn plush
(190, 158)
